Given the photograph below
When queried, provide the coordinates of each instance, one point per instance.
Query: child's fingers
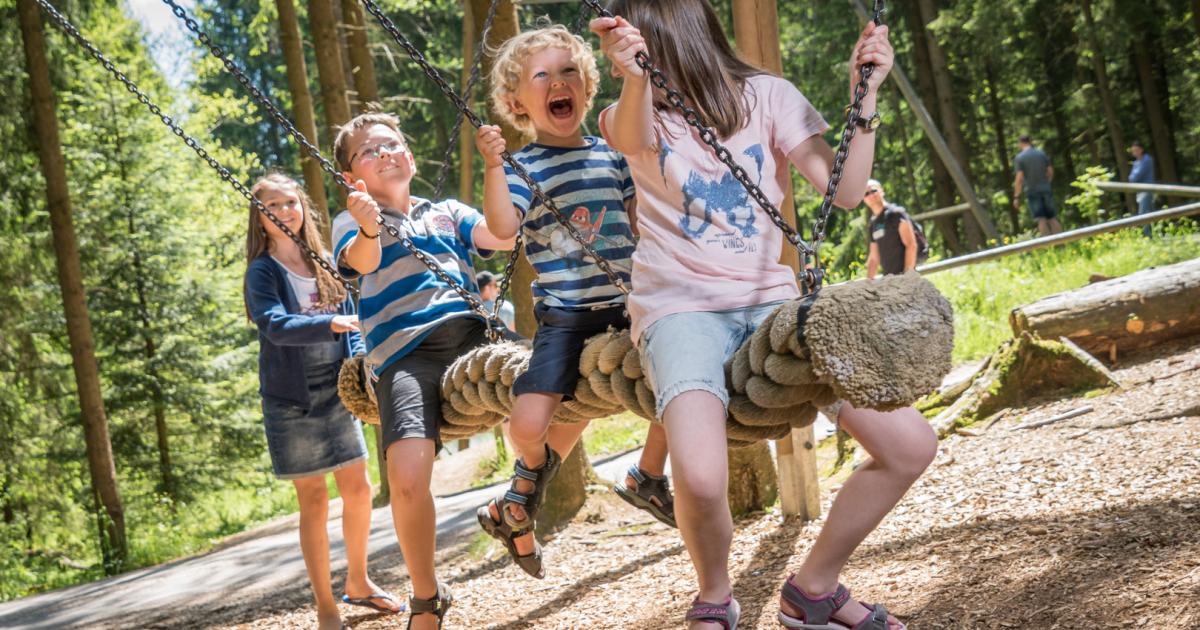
(360, 186)
(602, 25)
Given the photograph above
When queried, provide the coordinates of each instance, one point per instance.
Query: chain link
(810, 278)
(277, 114)
(541, 196)
(67, 27)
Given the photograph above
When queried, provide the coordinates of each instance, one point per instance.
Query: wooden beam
(965, 190)
(941, 212)
(756, 30)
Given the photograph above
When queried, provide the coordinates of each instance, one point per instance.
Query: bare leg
(1055, 226)
(695, 426)
(314, 544)
(355, 488)
(530, 431)
(1043, 227)
(901, 445)
(654, 454)
(410, 468)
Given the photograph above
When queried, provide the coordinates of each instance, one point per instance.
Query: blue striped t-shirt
(590, 185)
(403, 301)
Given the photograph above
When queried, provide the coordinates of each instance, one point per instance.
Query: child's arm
(814, 158)
(630, 131)
(500, 219)
(270, 315)
(364, 252)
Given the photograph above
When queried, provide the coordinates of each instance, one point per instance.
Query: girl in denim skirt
(307, 325)
(707, 273)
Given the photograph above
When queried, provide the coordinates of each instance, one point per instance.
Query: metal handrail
(1061, 237)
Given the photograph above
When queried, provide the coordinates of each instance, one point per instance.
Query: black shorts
(409, 390)
(558, 344)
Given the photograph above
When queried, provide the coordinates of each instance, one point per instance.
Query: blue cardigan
(282, 330)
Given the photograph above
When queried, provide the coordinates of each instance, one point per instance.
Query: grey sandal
(653, 494)
(726, 614)
(817, 613)
(436, 605)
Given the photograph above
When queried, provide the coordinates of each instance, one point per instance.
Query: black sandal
(531, 501)
(652, 494)
(531, 563)
(436, 605)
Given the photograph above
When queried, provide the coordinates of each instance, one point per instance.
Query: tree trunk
(752, 480)
(302, 108)
(70, 278)
(1158, 112)
(1196, 17)
(1054, 78)
(943, 186)
(1134, 311)
(466, 135)
(996, 113)
(1115, 135)
(939, 69)
(362, 66)
(916, 202)
(328, 49)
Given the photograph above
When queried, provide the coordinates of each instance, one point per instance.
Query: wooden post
(961, 181)
(756, 29)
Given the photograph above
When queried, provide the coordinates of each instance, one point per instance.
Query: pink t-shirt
(705, 245)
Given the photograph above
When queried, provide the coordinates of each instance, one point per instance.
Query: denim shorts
(1041, 205)
(558, 344)
(686, 352)
(305, 444)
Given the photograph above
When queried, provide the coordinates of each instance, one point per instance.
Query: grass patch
(984, 294)
(493, 469)
(616, 434)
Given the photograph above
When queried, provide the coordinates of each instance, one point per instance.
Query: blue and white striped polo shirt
(403, 301)
(590, 185)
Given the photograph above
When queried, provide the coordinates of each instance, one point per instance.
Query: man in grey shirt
(1033, 175)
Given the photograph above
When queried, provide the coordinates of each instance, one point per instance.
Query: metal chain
(468, 91)
(67, 27)
(811, 278)
(277, 114)
(541, 196)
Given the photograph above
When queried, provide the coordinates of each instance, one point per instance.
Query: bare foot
(329, 620)
(364, 588)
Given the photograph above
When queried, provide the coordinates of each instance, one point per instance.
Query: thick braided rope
(880, 345)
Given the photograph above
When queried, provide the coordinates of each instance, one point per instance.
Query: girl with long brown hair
(706, 273)
(307, 325)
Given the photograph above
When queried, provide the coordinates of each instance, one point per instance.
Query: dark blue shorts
(1041, 205)
(558, 344)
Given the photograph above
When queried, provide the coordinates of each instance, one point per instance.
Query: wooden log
(1134, 311)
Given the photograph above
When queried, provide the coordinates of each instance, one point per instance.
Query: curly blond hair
(510, 64)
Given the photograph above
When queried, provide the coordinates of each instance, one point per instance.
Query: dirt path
(1060, 527)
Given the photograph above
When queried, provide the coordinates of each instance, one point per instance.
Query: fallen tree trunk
(1021, 370)
(1134, 311)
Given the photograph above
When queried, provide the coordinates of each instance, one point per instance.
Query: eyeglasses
(871, 191)
(373, 153)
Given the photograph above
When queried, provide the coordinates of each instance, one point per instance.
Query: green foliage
(609, 436)
(1089, 201)
(984, 294)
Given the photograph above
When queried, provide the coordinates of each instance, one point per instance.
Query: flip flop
(366, 602)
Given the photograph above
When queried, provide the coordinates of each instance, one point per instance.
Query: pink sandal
(817, 613)
(726, 614)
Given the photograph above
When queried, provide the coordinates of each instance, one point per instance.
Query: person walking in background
(1142, 173)
(892, 241)
(1033, 175)
(489, 290)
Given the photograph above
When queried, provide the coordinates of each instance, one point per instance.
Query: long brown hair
(685, 40)
(330, 291)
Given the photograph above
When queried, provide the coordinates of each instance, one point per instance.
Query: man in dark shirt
(1033, 176)
(892, 242)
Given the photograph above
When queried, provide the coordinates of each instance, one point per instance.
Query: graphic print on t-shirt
(703, 197)
(590, 225)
